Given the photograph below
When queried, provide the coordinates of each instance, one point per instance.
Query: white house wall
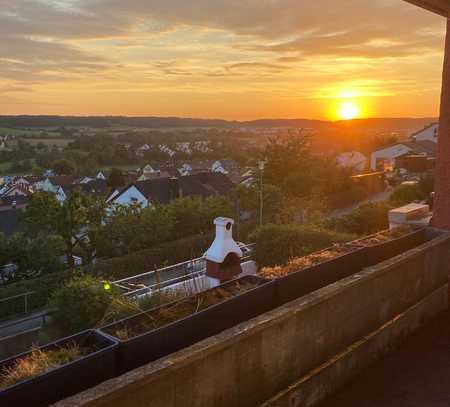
(389, 153)
(131, 195)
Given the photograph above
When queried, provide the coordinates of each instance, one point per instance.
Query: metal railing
(18, 308)
(159, 279)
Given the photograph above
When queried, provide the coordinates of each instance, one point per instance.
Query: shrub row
(276, 244)
(147, 260)
(108, 269)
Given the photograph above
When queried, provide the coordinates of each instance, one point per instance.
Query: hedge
(277, 244)
(107, 269)
(146, 260)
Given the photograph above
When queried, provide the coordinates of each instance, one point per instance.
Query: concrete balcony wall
(252, 362)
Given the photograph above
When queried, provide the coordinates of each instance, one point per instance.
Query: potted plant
(160, 331)
(50, 373)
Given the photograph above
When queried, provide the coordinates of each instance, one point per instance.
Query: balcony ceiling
(441, 7)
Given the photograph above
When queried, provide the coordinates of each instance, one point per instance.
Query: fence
(15, 306)
(164, 277)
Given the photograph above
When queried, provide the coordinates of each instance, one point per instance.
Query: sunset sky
(233, 59)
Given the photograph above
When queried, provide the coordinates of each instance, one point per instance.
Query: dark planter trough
(384, 251)
(300, 283)
(68, 379)
(180, 334)
(305, 281)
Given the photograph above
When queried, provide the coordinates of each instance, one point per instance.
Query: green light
(107, 286)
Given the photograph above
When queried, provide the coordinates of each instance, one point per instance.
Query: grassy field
(59, 142)
(18, 132)
(28, 132)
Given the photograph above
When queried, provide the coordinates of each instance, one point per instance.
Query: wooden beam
(441, 7)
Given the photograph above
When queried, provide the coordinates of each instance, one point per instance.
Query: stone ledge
(168, 381)
(336, 372)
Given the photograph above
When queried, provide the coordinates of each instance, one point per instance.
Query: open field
(59, 142)
(18, 132)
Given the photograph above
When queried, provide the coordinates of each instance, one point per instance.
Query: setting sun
(348, 111)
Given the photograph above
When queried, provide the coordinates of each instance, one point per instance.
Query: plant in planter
(175, 311)
(306, 274)
(163, 330)
(58, 370)
(301, 263)
(38, 362)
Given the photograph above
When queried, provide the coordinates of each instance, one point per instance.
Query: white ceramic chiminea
(223, 258)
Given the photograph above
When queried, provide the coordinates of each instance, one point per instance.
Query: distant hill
(382, 124)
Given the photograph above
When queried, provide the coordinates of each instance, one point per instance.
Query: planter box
(297, 284)
(300, 283)
(180, 334)
(67, 379)
(384, 251)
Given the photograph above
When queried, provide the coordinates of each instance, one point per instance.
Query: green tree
(69, 220)
(116, 179)
(64, 167)
(130, 228)
(80, 304)
(35, 256)
(366, 219)
(405, 194)
(250, 201)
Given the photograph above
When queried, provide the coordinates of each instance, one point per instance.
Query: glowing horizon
(243, 61)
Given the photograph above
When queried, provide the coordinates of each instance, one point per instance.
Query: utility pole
(261, 165)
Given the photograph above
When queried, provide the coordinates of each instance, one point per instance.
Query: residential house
(166, 149)
(164, 190)
(385, 158)
(140, 151)
(429, 133)
(17, 190)
(184, 147)
(96, 188)
(202, 146)
(145, 193)
(146, 176)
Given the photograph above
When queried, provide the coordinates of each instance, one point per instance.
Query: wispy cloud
(216, 48)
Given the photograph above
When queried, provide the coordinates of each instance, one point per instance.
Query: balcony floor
(415, 375)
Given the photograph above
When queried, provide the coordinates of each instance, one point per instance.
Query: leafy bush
(42, 288)
(80, 304)
(276, 244)
(366, 219)
(405, 194)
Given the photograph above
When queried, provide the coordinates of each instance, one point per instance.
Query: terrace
(299, 338)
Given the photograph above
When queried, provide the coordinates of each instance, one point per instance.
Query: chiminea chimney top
(224, 243)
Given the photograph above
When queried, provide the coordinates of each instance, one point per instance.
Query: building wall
(127, 198)
(388, 154)
(252, 362)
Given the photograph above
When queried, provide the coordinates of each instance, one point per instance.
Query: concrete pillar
(441, 215)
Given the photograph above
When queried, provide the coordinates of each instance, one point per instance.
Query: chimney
(223, 258)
